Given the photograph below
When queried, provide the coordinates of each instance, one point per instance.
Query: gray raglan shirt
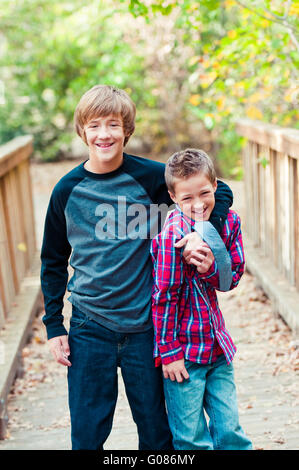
(102, 225)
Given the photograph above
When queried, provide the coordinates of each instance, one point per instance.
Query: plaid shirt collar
(186, 218)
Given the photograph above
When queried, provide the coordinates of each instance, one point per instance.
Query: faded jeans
(211, 388)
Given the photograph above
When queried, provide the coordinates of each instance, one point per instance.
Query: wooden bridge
(271, 239)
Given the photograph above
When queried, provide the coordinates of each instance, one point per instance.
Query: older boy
(192, 342)
(91, 219)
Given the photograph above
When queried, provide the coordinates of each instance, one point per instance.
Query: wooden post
(296, 222)
(256, 195)
(7, 285)
(273, 211)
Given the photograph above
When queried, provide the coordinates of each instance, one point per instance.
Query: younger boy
(191, 340)
(91, 225)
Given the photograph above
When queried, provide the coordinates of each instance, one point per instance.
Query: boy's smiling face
(105, 138)
(195, 196)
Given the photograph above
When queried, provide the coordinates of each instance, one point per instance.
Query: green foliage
(192, 67)
(245, 63)
(62, 50)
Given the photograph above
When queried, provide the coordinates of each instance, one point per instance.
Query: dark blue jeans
(96, 352)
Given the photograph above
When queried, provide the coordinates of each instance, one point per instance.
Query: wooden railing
(17, 229)
(20, 293)
(271, 176)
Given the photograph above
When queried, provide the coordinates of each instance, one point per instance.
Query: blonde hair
(186, 163)
(100, 101)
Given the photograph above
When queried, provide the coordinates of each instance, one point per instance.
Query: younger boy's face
(105, 137)
(195, 196)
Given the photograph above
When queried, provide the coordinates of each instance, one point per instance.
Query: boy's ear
(215, 185)
(172, 196)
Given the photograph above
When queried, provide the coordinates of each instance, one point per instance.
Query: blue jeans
(96, 352)
(210, 388)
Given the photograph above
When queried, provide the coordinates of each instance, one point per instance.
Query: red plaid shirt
(187, 319)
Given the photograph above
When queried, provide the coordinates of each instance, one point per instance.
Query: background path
(266, 366)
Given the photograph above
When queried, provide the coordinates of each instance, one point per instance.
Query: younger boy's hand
(196, 252)
(59, 347)
(193, 243)
(175, 371)
(205, 259)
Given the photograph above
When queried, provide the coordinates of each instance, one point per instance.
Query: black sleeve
(162, 194)
(55, 253)
(223, 201)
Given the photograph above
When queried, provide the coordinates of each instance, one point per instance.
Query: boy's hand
(193, 243)
(59, 347)
(196, 251)
(175, 371)
(205, 259)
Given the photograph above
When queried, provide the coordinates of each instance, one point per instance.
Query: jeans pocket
(78, 320)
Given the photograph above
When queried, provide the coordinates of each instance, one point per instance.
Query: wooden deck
(266, 369)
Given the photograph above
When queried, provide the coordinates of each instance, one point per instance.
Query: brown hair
(186, 163)
(100, 101)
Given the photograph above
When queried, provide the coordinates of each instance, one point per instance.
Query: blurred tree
(244, 63)
(191, 67)
(167, 124)
(53, 51)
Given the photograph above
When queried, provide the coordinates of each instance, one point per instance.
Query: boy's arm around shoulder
(168, 279)
(234, 244)
(55, 253)
(223, 201)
